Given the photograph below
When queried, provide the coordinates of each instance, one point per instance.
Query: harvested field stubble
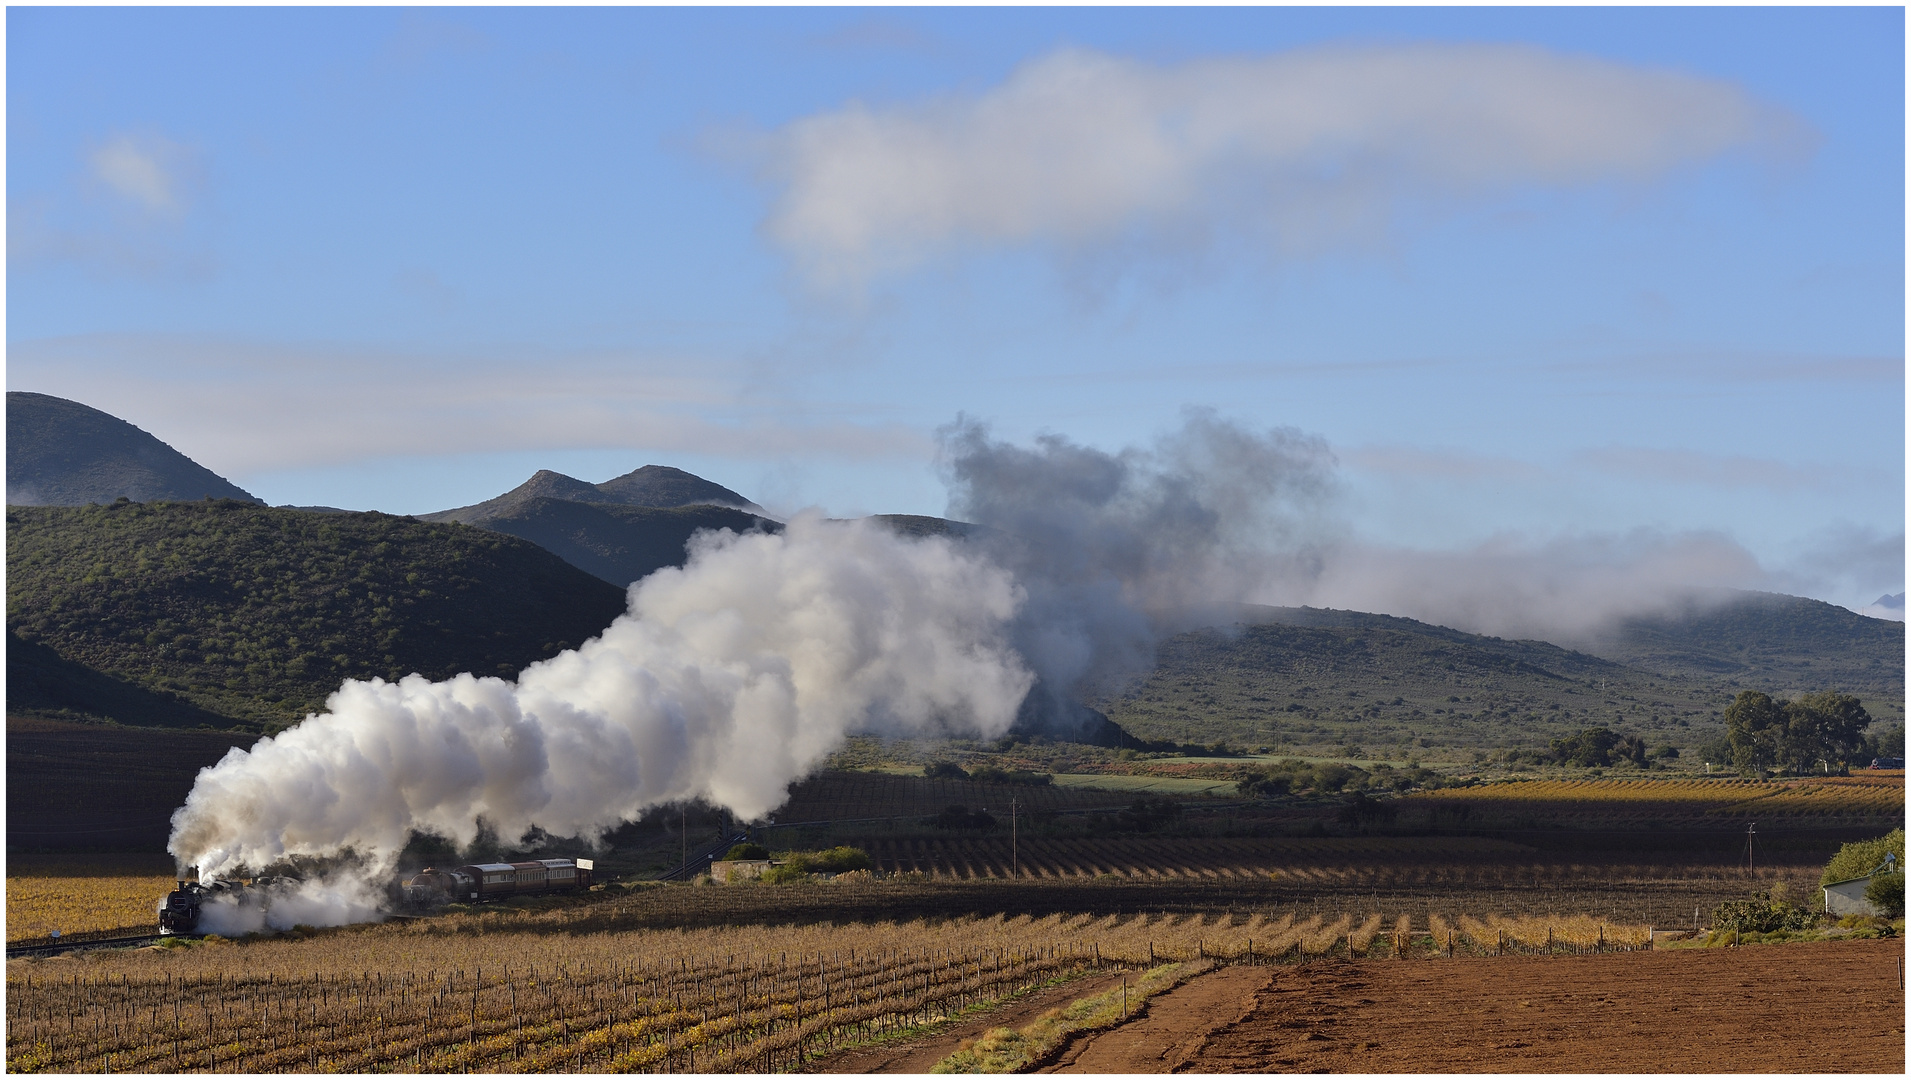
(79, 894)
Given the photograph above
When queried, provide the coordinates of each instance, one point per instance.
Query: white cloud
(144, 169)
(1662, 465)
(1850, 564)
(1301, 149)
(243, 408)
(1419, 463)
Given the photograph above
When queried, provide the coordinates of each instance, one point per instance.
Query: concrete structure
(724, 871)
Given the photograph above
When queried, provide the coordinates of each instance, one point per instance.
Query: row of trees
(1825, 728)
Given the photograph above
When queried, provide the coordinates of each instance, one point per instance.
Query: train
(181, 911)
(482, 882)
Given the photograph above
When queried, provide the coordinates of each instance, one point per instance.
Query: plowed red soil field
(1819, 1007)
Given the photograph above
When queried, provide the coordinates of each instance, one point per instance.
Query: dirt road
(919, 1054)
(1821, 1007)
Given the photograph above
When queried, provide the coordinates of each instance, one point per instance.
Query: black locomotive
(430, 888)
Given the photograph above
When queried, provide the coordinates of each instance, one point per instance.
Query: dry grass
(81, 893)
(1007, 1050)
(1540, 931)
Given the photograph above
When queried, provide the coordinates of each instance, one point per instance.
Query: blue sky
(1598, 286)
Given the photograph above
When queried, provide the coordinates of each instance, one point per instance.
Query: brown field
(1814, 1007)
(77, 894)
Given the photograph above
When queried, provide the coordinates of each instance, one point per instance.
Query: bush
(1264, 787)
(1361, 810)
(989, 774)
(747, 851)
(1886, 893)
(840, 860)
(944, 770)
(1142, 815)
(961, 817)
(799, 865)
(1859, 858)
(1764, 913)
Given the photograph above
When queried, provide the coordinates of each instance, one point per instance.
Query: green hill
(619, 544)
(1308, 679)
(63, 453)
(255, 614)
(1765, 641)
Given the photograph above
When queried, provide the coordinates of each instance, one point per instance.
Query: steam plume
(726, 680)
(1117, 549)
(741, 672)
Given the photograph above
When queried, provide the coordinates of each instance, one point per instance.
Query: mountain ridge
(659, 487)
(64, 453)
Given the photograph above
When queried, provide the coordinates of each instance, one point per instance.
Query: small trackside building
(1848, 897)
(725, 871)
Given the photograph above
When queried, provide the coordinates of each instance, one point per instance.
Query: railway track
(15, 952)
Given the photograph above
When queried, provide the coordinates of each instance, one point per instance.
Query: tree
(1861, 857)
(1755, 724)
(1591, 747)
(1826, 725)
(1886, 893)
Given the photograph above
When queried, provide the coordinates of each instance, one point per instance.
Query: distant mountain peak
(1894, 601)
(664, 487)
(658, 487)
(546, 484)
(63, 453)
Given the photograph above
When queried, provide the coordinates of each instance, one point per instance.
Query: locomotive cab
(179, 912)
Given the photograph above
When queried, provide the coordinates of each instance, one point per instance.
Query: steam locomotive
(180, 912)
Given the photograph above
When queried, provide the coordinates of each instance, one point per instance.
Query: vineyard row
(659, 1001)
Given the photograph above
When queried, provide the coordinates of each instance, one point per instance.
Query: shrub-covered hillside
(257, 613)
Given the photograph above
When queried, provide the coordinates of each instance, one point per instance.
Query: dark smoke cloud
(1115, 549)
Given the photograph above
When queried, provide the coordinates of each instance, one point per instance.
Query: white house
(1848, 897)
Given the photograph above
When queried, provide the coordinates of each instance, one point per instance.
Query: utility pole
(683, 834)
(1015, 850)
(1750, 831)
